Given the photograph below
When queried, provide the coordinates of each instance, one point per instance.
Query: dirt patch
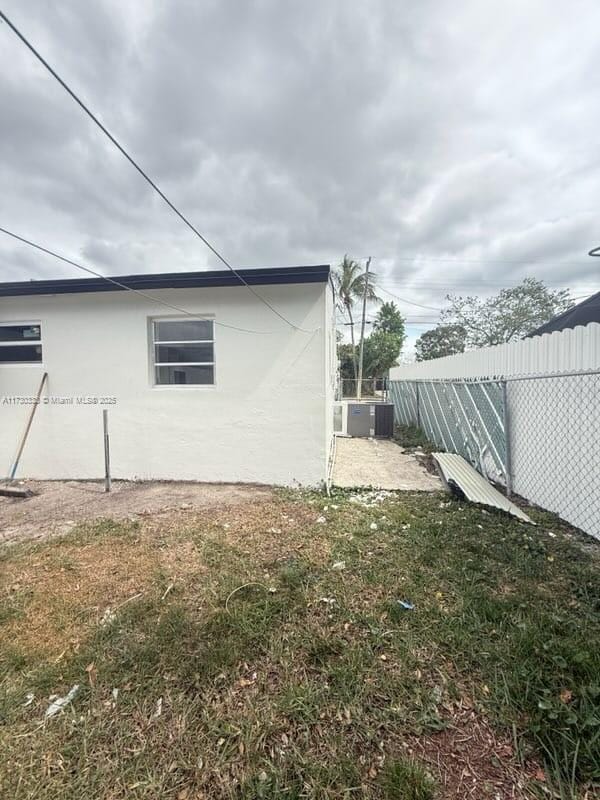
(57, 506)
(468, 759)
(66, 592)
(54, 593)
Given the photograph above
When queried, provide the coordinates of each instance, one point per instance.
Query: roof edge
(264, 276)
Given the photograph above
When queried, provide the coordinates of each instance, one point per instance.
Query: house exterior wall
(267, 419)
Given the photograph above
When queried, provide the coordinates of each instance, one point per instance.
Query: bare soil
(58, 506)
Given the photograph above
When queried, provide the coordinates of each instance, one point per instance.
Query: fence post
(107, 479)
(418, 406)
(507, 448)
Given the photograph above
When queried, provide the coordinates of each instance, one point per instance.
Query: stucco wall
(268, 419)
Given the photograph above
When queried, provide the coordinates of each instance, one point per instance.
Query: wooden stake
(27, 427)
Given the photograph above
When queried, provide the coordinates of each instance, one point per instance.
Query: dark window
(185, 330)
(185, 375)
(184, 352)
(20, 344)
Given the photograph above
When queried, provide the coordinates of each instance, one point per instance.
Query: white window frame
(37, 342)
(155, 364)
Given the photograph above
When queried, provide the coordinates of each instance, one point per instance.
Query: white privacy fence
(571, 350)
(536, 434)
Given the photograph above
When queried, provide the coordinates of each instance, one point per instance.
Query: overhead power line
(404, 300)
(125, 287)
(460, 260)
(146, 177)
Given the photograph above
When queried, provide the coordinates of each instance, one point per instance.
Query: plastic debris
(370, 499)
(339, 565)
(29, 698)
(57, 705)
(373, 526)
(328, 600)
(321, 520)
(158, 709)
(406, 605)
(107, 617)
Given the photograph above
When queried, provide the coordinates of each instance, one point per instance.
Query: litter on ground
(59, 703)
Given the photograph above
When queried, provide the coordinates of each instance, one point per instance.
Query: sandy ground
(380, 463)
(57, 506)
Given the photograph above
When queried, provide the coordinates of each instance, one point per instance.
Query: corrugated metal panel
(570, 350)
(476, 489)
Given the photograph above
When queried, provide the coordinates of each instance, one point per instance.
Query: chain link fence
(539, 436)
(554, 425)
(371, 388)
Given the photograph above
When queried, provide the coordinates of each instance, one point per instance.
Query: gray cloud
(447, 141)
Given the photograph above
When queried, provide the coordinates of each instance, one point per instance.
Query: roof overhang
(170, 280)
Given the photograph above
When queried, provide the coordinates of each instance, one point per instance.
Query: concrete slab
(380, 463)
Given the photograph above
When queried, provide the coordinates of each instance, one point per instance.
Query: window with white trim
(183, 352)
(20, 343)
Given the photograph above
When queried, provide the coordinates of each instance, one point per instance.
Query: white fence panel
(572, 350)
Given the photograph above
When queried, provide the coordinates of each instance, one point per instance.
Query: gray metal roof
(474, 486)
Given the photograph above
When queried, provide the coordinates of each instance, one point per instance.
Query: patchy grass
(310, 681)
(410, 438)
(407, 780)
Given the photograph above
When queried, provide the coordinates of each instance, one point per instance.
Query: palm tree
(349, 282)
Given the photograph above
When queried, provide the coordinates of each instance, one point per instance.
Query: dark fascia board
(170, 280)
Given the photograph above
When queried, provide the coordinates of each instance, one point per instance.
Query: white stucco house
(202, 381)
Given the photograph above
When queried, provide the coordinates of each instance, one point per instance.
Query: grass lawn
(262, 652)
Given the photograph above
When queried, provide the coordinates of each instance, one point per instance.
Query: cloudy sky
(454, 142)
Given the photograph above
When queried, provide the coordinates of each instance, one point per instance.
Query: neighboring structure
(582, 314)
(228, 391)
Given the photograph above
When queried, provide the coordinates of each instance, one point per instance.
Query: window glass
(185, 375)
(24, 354)
(187, 353)
(183, 352)
(20, 333)
(185, 330)
(20, 343)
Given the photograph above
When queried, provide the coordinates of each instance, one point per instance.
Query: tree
(385, 343)
(381, 353)
(445, 340)
(349, 282)
(389, 320)
(509, 315)
(346, 356)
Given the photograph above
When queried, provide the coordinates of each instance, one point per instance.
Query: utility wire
(472, 260)
(124, 286)
(404, 300)
(146, 177)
